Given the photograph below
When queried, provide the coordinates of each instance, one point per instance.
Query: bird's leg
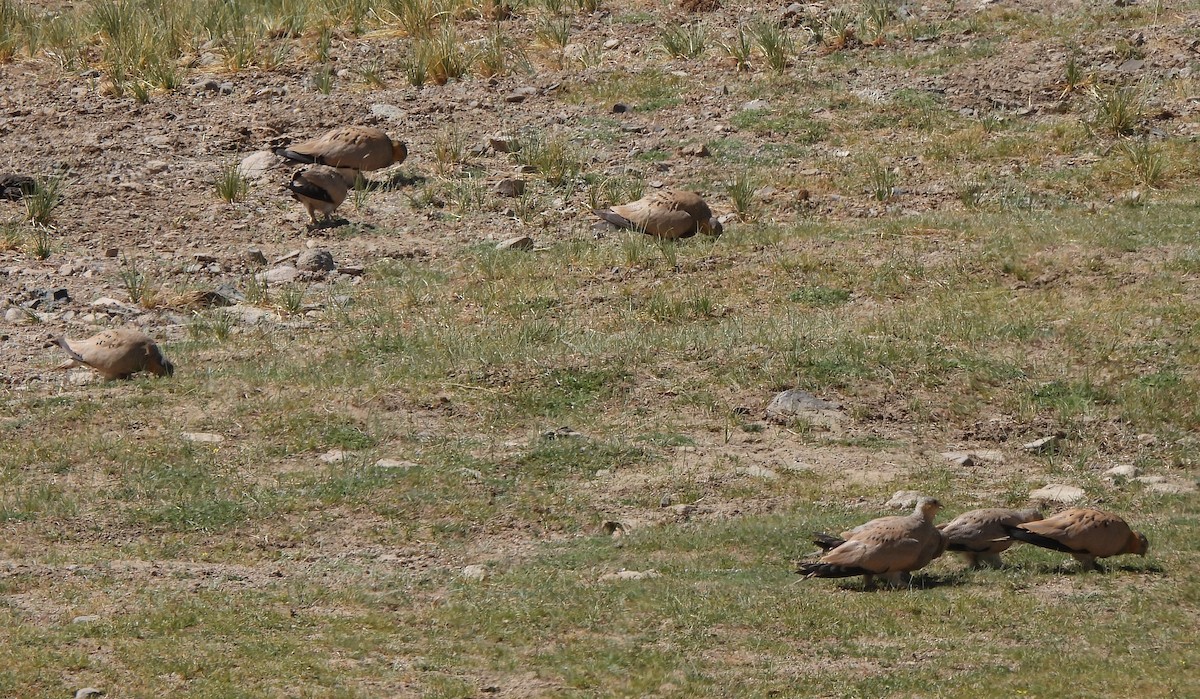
(868, 582)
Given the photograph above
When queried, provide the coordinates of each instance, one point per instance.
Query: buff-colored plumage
(358, 148)
(665, 213)
(888, 546)
(1084, 533)
(320, 188)
(979, 535)
(116, 354)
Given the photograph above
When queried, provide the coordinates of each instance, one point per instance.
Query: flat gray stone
(388, 111)
(86, 619)
(202, 437)
(794, 404)
(1057, 492)
(259, 164)
(904, 499)
(284, 274)
(1045, 445)
(476, 572)
(335, 456)
(251, 315)
(757, 472)
(394, 464)
(629, 575)
(1123, 471)
(522, 242)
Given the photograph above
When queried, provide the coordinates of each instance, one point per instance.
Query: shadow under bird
(117, 353)
(665, 213)
(359, 148)
(890, 547)
(1084, 533)
(321, 189)
(979, 536)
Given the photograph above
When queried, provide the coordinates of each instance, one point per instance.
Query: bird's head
(1138, 543)
(399, 152)
(712, 226)
(928, 507)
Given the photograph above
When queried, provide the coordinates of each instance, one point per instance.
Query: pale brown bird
(888, 546)
(354, 147)
(666, 213)
(979, 536)
(1084, 533)
(320, 188)
(117, 353)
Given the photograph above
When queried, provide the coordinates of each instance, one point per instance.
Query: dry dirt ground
(139, 193)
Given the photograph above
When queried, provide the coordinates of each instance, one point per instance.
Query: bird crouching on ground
(890, 547)
(115, 354)
(666, 213)
(321, 189)
(979, 535)
(1084, 533)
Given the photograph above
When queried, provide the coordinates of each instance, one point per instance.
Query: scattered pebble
(630, 575)
(335, 456)
(1123, 471)
(522, 242)
(1045, 445)
(510, 187)
(316, 261)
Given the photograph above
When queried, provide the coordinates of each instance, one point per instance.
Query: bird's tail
(293, 155)
(829, 570)
(62, 342)
(827, 542)
(1037, 539)
(614, 218)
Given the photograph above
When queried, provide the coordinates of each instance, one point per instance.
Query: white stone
(476, 572)
(202, 437)
(1057, 492)
(629, 575)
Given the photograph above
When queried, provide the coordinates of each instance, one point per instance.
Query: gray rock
(387, 111)
(86, 619)
(1057, 492)
(629, 575)
(757, 472)
(259, 165)
(394, 464)
(256, 257)
(522, 242)
(1045, 445)
(89, 693)
(612, 44)
(754, 105)
(1171, 488)
(696, 150)
(904, 499)
(251, 315)
(1123, 471)
(510, 187)
(476, 572)
(14, 315)
(795, 404)
(202, 437)
(284, 274)
(501, 144)
(335, 456)
(316, 261)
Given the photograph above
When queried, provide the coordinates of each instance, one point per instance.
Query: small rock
(250, 315)
(335, 456)
(522, 242)
(612, 44)
(629, 575)
(698, 150)
(502, 144)
(259, 165)
(563, 432)
(154, 167)
(510, 187)
(204, 257)
(89, 693)
(757, 472)
(388, 111)
(476, 572)
(14, 315)
(86, 619)
(612, 528)
(1056, 492)
(202, 437)
(1170, 488)
(256, 257)
(960, 458)
(754, 105)
(794, 404)
(514, 98)
(316, 261)
(352, 270)
(1045, 445)
(904, 499)
(111, 252)
(619, 108)
(1123, 471)
(278, 275)
(1151, 480)
(394, 464)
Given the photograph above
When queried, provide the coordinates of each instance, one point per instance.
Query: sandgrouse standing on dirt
(360, 148)
(665, 213)
(1084, 533)
(116, 354)
(888, 546)
(979, 535)
(321, 189)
